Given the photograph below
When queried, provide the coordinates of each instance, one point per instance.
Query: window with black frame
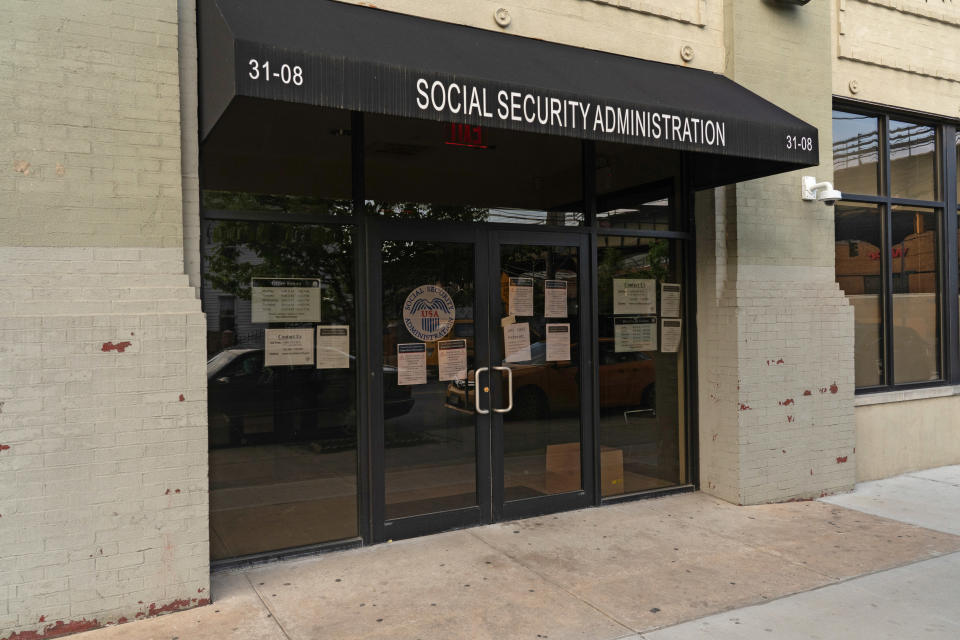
(641, 246)
(889, 245)
(279, 297)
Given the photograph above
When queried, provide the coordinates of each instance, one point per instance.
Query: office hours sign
(429, 313)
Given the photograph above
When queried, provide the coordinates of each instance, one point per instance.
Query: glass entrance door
(430, 447)
(542, 457)
(478, 408)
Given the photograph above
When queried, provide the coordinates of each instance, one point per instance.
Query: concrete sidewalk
(616, 572)
(918, 600)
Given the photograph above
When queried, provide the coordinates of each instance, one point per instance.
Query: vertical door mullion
(886, 253)
(951, 326)
(361, 298)
(481, 358)
(591, 424)
(495, 420)
(589, 452)
(687, 206)
(374, 378)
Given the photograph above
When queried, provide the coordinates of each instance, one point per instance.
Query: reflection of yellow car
(542, 389)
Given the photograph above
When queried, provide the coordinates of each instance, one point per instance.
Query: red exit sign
(465, 135)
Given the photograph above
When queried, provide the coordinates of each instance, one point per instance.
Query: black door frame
(368, 406)
(381, 528)
(486, 240)
(503, 510)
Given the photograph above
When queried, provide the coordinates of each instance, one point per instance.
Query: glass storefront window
(890, 245)
(215, 200)
(424, 170)
(856, 153)
(913, 161)
(915, 257)
(277, 156)
(635, 188)
(859, 272)
(640, 372)
(282, 385)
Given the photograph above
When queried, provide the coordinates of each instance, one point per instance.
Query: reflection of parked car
(249, 402)
(542, 389)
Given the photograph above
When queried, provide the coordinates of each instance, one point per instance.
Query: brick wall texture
(103, 451)
(775, 348)
(89, 123)
(103, 441)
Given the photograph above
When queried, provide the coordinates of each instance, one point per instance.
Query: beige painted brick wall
(904, 436)
(103, 452)
(901, 53)
(89, 124)
(648, 29)
(776, 352)
(103, 439)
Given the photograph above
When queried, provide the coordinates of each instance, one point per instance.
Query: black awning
(344, 56)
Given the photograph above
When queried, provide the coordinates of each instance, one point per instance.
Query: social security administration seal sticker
(429, 313)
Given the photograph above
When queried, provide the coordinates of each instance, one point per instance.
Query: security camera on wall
(810, 189)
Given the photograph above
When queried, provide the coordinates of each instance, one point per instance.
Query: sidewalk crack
(556, 584)
(266, 605)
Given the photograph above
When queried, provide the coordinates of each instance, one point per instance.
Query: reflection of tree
(407, 265)
(631, 262)
(659, 257)
(244, 250)
(241, 201)
(431, 212)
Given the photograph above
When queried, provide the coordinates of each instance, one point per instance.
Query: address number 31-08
(803, 143)
(286, 74)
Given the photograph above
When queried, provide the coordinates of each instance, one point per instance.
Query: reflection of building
(661, 142)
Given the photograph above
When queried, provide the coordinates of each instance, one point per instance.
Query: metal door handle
(509, 407)
(476, 390)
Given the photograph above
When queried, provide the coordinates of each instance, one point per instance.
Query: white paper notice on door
(452, 359)
(412, 363)
(284, 300)
(558, 342)
(633, 296)
(521, 297)
(555, 299)
(634, 334)
(287, 347)
(516, 342)
(333, 347)
(670, 335)
(669, 300)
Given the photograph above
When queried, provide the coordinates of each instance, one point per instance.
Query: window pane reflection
(641, 393)
(916, 331)
(425, 170)
(856, 151)
(541, 434)
(429, 428)
(635, 187)
(913, 161)
(282, 436)
(859, 268)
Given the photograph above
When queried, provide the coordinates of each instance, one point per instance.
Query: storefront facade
(453, 266)
(505, 260)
